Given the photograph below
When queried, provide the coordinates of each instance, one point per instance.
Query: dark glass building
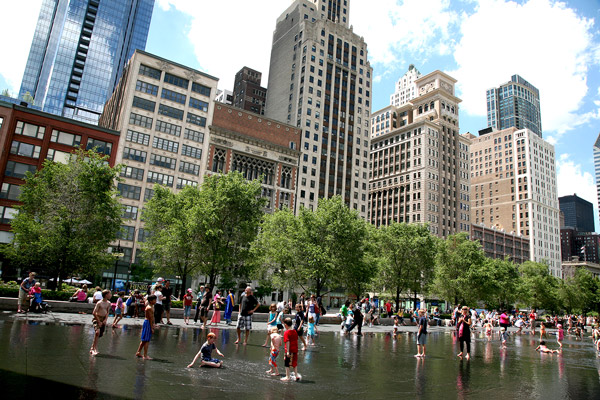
(579, 213)
(515, 103)
(78, 52)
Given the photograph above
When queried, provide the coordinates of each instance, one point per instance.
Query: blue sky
(555, 45)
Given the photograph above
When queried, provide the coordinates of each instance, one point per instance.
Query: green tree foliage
(206, 230)
(69, 216)
(496, 283)
(325, 248)
(457, 262)
(406, 258)
(537, 287)
(579, 292)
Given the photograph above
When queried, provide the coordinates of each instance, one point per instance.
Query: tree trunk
(398, 298)
(183, 286)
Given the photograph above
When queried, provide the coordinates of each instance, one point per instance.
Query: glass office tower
(78, 53)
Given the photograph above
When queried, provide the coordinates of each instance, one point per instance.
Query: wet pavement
(49, 354)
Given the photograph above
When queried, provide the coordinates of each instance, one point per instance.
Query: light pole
(117, 254)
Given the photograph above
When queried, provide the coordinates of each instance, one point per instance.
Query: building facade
(163, 111)
(596, 149)
(257, 147)
(585, 245)
(224, 96)
(29, 137)
(420, 170)
(78, 53)
(513, 188)
(569, 267)
(501, 244)
(406, 88)
(248, 94)
(579, 213)
(514, 104)
(320, 81)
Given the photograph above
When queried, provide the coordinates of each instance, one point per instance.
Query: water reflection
(463, 379)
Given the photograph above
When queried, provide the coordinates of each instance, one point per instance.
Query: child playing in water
(147, 328)
(487, 326)
(396, 326)
(543, 333)
(206, 352)
(560, 334)
(275, 345)
(119, 310)
(100, 314)
(503, 337)
(543, 349)
(290, 339)
(311, 331)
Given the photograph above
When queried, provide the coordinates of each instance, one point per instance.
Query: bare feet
(94, 352)
(147, 358)
(138, 355)
(468, 357)
(459, 355)
(237, 341)
(286, 379)
(298, 377)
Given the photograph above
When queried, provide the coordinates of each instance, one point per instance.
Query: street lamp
(117, 254)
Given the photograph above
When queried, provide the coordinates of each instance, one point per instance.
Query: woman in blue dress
(229, 303)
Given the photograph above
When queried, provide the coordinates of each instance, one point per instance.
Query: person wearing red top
(290, 340)
(187, 306)
(532, 318)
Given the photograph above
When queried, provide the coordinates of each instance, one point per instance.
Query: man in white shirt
(97, 296)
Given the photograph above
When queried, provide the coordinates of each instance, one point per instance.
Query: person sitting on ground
(206, 353)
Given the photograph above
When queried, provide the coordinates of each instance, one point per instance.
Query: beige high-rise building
(320, 81)
(420, 170)
(163, 111)
(513, 188)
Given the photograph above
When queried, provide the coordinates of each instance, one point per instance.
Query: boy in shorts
(100, 319)
(290, 340)
(206, 352)
(275, 345)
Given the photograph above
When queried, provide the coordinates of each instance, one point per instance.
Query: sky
(555, 45)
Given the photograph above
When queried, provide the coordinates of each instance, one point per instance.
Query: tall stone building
(248, 94)
(78, 53)
(163, 111)
(513, 188)
(406, 88)
(320, 81)
(596, 149)
(420, 170)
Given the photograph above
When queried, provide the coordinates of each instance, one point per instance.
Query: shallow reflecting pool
(54, 358)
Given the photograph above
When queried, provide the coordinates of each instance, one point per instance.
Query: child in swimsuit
(543, 349)
(275, 345)
(560, 334)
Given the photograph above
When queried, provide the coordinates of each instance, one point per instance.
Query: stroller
(38, 305)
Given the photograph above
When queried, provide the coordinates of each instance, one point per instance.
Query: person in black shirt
(248, 306)
(358, 318)
(421, 334)
(464, 332)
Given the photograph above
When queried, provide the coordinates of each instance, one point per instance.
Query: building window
(65, 138)
(165, 144)
(196, 119)
(194, 135)
(191, 151)
(58, 156)
(133, 173)
(19, 170)
(137, 137)
(25, 149)
(185, 182)
(10, 191)
(144, 104)
(169, 128)
(129, 191)
(286, 177)
(146, 87)
(219, 160)
(126, 232)
(171, 112)
(157, 177)
(7, 214)
(148, 194)
(150, 72)
(253, 168)
(99, 146)
(140, 120)
(30, 130)
(189, 168)
(199, 104)
(177, 81)
(173, 96)
(162, 161)
(203, 90)
(130, 212)
(135, 155)
(143, 235)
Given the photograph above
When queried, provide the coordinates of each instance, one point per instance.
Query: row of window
(146, 122)
(174, 80)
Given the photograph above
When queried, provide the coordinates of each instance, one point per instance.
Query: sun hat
(190, 290)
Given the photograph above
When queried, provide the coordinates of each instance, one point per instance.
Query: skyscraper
(78, 53)
(247, 92)
(597, 166)
(406, 88)
(320, 81)
(515, 103)
(579, 213)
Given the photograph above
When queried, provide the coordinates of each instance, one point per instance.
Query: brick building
(499, 244)
(585, 245)
(28, 137)
(248, 94)
(256, 146)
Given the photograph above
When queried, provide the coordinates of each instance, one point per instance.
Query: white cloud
(572, 179)
(544, 41)
(17, 28)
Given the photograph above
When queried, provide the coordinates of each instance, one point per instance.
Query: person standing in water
(229, 303)
(464, 332)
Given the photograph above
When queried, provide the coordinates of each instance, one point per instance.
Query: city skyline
(449, 36)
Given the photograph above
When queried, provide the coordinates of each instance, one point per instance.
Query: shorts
(211, 360)
(117, 311)
(422, 339)
(167, 305)
(280, 326)
(146, 331)
(291, 361)
(269, 327)
(300, 332)
(187, 311)
(203, 312)
(244, 322)
(22, 297)
(273, 358)
(96, 328)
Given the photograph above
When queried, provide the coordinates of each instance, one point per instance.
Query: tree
(6, 92)
(578, 292)
(456, 262)
(407, 258)
(68, 218)
(496, 283)
(538, 288)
